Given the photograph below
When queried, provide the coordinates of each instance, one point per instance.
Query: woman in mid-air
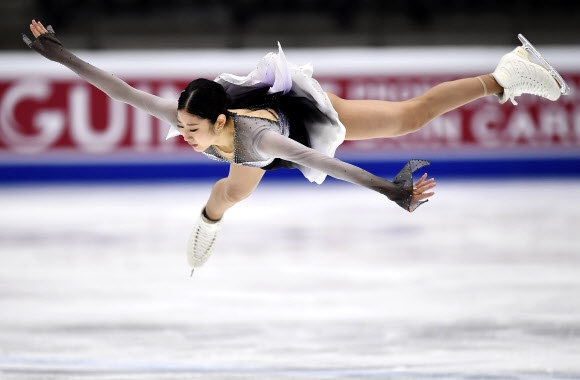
(279, 117)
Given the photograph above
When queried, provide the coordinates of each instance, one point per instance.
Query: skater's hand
(37, 28)
(45, 43)
(419, 191)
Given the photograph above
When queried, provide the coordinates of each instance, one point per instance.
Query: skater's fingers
(424, 188)
(424, 183)
(42, 28)
(418, 200)
(420, 180)
(37, 28)
(35, 33)
(427, 185)
(421, 197)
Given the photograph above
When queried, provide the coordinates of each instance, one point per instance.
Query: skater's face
(198, 132)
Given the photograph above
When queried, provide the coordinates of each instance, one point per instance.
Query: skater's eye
(192, 126)
(182, 127)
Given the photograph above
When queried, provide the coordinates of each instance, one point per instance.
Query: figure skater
(279, 117)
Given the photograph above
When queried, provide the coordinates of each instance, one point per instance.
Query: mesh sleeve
(50, 47)
(399, 191)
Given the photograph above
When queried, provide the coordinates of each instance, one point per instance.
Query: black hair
(208, 99)
(204, 98)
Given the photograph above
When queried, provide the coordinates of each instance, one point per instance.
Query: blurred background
(131, 24)
(312, 282)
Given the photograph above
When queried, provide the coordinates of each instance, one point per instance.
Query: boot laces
(204, 240)
(526, 82)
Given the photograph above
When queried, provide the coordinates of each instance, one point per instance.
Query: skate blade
(564, 88)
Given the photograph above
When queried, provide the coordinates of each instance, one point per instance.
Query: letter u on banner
(83, 132)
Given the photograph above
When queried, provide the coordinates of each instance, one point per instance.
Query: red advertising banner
(44, 118)
(535, 126)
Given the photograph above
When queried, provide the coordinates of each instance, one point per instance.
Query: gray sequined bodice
(247, 132)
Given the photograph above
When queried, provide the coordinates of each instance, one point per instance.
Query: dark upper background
(178, 24)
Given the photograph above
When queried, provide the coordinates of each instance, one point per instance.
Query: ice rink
(307, 282)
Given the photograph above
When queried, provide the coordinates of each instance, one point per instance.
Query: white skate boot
(518, 75)
(202, 241)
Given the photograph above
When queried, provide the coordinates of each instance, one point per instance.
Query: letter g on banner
(49, 123)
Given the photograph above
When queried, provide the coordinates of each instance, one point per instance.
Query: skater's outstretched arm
(50, 47)
(271, 144)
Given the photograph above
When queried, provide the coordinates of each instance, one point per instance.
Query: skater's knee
(234, 193)
(413, 114)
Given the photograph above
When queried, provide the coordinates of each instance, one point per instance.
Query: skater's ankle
(493, 88)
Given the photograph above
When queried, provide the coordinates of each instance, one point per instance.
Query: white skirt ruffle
(275, 72)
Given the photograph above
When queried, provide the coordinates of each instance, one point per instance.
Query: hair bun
(204, 98)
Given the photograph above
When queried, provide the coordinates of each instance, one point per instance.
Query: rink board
(55, 127)
(482, 169)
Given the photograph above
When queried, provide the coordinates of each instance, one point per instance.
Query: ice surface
(307, 282)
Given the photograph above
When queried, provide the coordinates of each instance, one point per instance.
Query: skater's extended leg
(515, 75)
(367, 119)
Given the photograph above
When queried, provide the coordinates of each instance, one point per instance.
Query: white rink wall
(55, 127)
(329, 61)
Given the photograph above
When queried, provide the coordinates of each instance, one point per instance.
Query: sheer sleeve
(50, 47)
(399, 191)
